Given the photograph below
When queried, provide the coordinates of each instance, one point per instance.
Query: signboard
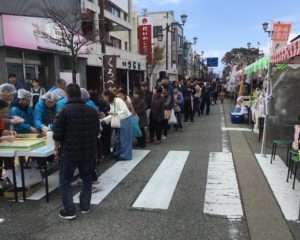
(145, 38)
(280, 35)
(212, 62)
(20, 32)
(110, 69)
(281, 31)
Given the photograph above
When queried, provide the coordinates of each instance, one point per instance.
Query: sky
(221, 25)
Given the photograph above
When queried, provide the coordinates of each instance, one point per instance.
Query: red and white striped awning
(286, 53)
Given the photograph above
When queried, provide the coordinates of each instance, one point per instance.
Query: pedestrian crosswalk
(222, 196)
(114, 175)
(159, 191)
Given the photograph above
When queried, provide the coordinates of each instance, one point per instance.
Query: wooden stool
(280, 142)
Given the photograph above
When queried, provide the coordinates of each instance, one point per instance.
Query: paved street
(114, 218)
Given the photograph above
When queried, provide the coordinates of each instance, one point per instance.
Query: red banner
(145, 39)
(281, 31)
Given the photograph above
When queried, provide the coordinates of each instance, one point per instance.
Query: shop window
(115, 42)
(156, 30)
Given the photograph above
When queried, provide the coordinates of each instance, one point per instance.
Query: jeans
(67, 168)
(178, 117)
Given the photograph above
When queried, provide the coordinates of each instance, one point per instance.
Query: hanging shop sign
(110, 69)
(285, 54)
(281, 33)
(145, 38)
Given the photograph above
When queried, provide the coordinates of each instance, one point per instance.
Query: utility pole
(102, 37)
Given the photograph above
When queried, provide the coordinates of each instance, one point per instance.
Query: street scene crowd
(86, 130)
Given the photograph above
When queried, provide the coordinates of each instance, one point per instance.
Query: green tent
(258, 66)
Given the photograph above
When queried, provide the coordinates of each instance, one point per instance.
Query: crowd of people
(86, 130)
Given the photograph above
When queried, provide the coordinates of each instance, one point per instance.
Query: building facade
(121, 41)
(22, 53)
(171, 63)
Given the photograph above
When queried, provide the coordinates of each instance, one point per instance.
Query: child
(222, 96)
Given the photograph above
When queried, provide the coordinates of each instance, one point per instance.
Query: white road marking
(222, 193)
(276, 173)
(225, 138)
(159, 191)
(114, 175)
(2, 220)
(237, 129)
(53, 181)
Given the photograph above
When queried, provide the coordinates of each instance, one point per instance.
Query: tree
(158, 55)
(69, 25)
(240, 57)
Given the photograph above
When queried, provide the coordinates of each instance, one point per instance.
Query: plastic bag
(136, 131)
(173, 119)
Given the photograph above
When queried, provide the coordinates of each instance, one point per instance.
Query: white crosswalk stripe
(114, 175)
(222, 193)
(158, 193)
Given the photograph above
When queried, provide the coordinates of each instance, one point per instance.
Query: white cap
(7, 88)
(47, 96)
(24, 94)
(58, 94)
(85, 94)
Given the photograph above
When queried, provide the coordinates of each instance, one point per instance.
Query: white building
(121, 40)
(172, 42)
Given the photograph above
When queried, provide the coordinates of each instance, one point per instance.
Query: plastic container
(237, 119)
(50, 141)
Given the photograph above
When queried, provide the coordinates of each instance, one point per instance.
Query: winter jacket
(158, 108)
(52, 89)
(76, 127)
(43, 116)
(91, 104)
(61, 103)
(26, 114)
(140, 108)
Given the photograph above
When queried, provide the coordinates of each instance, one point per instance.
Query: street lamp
(268, 95)
(195, 39)
(183, 18)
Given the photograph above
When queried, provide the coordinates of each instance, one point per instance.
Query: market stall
(29, 146)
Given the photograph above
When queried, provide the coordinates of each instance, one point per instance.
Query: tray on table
(21, 144)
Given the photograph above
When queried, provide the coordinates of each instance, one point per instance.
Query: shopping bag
(136, 131)
(115, 122)
(167, 115)
(173, 119)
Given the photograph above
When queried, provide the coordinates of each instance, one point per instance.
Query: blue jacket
(92, 104)
(27, 115)
(43, 116)
(52, 89)
(61, 103)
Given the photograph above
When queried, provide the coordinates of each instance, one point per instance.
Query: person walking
(156, 115)
(118, 108)
(75, 132)
(206, 99)
(197, 98)
(188, 93)
(37, 92)
(140, 108)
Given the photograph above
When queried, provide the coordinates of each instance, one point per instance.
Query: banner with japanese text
(110, 69)
(145, 38)
(281, 33)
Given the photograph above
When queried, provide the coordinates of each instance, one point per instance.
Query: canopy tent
(258, 66)
(287, 53)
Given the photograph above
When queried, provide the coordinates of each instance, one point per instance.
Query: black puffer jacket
(76, 127)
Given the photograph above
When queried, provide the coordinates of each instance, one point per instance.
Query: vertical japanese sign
(280, 35)
(110, 69)
(145, 38)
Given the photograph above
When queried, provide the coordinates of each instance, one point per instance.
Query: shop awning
(285, 54)
(258, 66)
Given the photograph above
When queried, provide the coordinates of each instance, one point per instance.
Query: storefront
(28, 56)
